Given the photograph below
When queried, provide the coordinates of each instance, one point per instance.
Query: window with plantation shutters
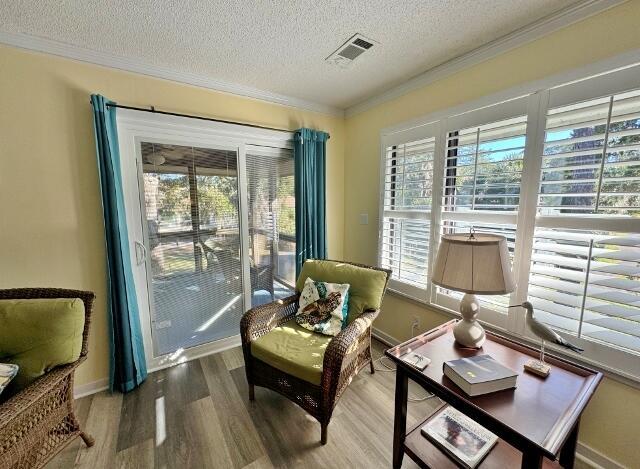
(407, 200)
(587, 281)
(557, 173)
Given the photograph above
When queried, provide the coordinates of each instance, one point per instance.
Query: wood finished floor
(197, 415)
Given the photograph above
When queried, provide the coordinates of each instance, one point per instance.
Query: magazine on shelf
(462, 439)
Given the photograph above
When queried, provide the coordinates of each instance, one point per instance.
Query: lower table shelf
(427, 455)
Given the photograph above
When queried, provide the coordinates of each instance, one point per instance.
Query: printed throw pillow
(8, 371)
(323, 307)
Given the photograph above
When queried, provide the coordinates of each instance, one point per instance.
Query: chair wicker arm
(259, 320)
(341, 359)
(39, 421)
(30, 396)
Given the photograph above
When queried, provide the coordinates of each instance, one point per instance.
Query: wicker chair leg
(88, 439)
(323, 433)
(252, 395)
(373, 370)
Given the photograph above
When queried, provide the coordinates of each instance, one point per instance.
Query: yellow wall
(51, 220)
(611, 419)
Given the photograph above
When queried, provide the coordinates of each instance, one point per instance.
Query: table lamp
(473, 263)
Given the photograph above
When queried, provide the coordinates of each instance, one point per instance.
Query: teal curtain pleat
(127, 365)
(310, 153)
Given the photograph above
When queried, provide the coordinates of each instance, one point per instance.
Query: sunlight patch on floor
(161, 428)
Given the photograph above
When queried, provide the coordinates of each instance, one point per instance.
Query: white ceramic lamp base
(469, 332)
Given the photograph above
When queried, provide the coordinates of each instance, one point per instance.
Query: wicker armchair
(345, 355)
(39, 421)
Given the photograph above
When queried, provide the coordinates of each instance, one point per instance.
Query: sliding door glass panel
(193, 262)
(271, 205)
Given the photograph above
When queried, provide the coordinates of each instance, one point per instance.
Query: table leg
(400, 417)
(531, 460)
(568, 451)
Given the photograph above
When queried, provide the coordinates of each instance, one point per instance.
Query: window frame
(568, 88)
(411, 135)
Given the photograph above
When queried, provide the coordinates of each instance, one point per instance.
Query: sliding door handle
(140, 259)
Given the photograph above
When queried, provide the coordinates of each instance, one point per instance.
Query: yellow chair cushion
(294, 350)
(366, 285)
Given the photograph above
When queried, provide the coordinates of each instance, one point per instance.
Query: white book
(463, 439)
(416, 360)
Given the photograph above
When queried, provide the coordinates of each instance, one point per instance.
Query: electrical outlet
(415, 325)
(364, 218)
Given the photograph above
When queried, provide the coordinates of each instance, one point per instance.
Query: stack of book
(480, 375)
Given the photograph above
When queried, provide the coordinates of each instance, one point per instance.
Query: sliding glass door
(191, 216)
(271, 215)
(210, 212)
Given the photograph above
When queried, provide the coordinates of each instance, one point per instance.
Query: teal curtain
(310, 153)
(127, 366)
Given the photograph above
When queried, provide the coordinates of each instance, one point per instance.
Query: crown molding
(522, 36)
(48, 46)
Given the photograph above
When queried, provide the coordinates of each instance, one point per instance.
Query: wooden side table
(537, 422)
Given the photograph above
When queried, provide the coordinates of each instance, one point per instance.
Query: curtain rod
(153, 110)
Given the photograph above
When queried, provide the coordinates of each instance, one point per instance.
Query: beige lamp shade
(477, 263)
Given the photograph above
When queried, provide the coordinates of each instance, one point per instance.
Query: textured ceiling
(280, 46)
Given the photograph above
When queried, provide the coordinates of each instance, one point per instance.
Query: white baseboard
(595, 459)
(586, 454)
(384, 337)
(83, 390)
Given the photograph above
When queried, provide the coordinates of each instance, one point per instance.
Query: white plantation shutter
(409, 175)
(484, 166)
(406, 249)
(588, 284)
(557, 172)
(591, 161)
(407, 200)
(585, 269)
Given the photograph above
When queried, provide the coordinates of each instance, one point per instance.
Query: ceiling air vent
(350, 50)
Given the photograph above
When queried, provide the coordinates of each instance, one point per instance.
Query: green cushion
(366, 285)
(38, 335)
(294, 350)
